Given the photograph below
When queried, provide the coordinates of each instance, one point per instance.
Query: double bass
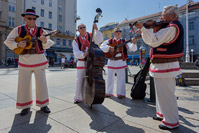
(94, 84)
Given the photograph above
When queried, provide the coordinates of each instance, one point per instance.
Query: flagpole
(187, 35)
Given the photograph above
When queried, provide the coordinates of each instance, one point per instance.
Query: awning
(50, 54)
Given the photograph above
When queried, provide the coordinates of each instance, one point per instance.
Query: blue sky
(118, 10)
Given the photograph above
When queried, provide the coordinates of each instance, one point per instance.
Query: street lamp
(187, 35)
(192, 55)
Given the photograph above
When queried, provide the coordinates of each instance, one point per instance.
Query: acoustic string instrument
(29, 41)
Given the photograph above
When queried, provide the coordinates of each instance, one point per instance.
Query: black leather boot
(25, 111)
(157, 118)
(45, 109)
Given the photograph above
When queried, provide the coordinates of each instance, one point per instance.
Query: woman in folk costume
(117, 64)
(80, 47)
(167, 47)
(31, 61)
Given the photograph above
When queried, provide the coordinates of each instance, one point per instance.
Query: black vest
(174, 49)
(23, 33)
(124, 53)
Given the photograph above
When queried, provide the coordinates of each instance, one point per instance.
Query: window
(42, 24)
(64, 42)
(11, 21)
(191, 40)
(49, 26)
(11, 8)
(69, 42)
(112, 35)
(60, 18)
(60, 7)
(106, 36)
(60, 28)
(50, 15)
(58, 41)
(50, 3)
(42, 2)
(191, 25)
(42, 13)
(34, 8)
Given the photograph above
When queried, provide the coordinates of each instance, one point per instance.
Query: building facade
(7, 22)
(54, 14)
(193, 22)
(107, 30)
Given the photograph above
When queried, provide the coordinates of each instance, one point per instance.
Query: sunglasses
(82, 27)
(118, 31)
(31, 18)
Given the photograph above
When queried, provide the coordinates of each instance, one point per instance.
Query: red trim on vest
(161, 49)
(124, 57)
(110, 67)
(34, 65)
(38, 49)
(170, 124)
(176, 36)
(87, 42)
(83, 46)
(28, 30)
(24, 104)
(164, 71)
(19, 30)
(167, 56)
(41, 31)
(42, 102)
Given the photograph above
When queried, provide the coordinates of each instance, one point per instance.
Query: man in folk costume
(80, 46)
(117, 64)
(167, 47)
(31, 61)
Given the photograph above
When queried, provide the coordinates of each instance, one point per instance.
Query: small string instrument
(29, 40)
(118, 47)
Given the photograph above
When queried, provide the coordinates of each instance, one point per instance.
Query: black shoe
(107, 96)
(157, 118)
(45, 109)
(76, 102)
(120, 97)
(25, 111)
(166, 128)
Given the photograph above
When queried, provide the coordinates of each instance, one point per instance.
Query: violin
(152, 24)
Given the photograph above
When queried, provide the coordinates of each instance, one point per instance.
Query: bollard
(152, 90)
(126, 73)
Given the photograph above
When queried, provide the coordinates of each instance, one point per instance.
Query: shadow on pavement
(24, 124)
(115, 124)
(147, 109)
